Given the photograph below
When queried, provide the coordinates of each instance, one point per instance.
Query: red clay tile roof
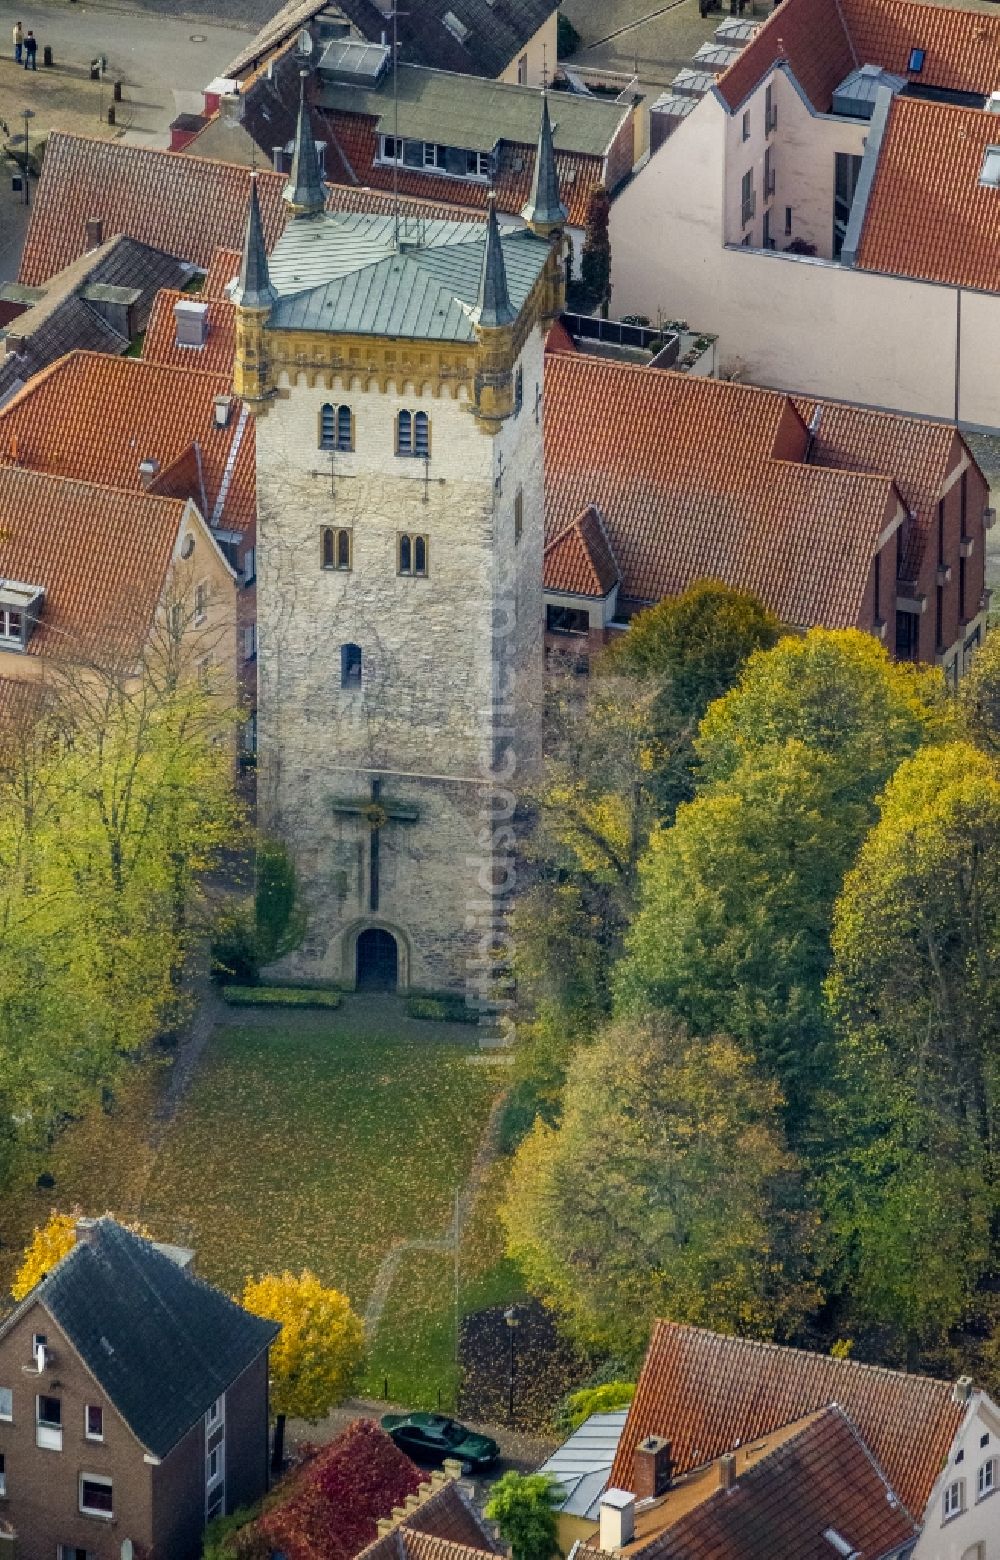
(160, 345)
(96, 417)
(919, 454)
(579, 561)
(823, 40)
(352, 141)
(445, 1526)
(187, 206)
(224, 268)
(697, 479)
(101, 556)
(821, 1477)
(928, 216)
(706, 1392)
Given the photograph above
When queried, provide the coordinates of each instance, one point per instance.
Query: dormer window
(20, 608)
(435, 155)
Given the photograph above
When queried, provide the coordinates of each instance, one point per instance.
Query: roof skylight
(457, 28)
(990, 172)
(916, 64)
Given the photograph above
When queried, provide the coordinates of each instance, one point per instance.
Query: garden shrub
(281, 996)
(234, 950)
(447, 1008)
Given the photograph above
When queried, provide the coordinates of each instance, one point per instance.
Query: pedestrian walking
(18, 42)
(30, 50)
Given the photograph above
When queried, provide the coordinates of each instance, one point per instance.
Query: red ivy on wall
(335, 1501)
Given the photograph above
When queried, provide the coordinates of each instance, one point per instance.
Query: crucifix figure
(376, 810)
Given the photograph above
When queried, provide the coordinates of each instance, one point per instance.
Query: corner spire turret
(304, 194)
(494, 309)
(253, 288)
(545, 212)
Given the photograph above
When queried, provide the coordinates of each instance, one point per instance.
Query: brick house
(837, 516)
(133, 1405)
(735, 1449)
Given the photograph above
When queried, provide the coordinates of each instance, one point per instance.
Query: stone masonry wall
(423, 715)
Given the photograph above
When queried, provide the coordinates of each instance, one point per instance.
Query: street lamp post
(511, 1318)
(27, 114)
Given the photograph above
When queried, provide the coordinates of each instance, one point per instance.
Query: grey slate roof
(462, 111)
(343, 273)
(544, 204)
(496, 31)
(493, 306)
(582, 1465)
(161, 1344)
(305, 192)
(253, 288)
(65, 314)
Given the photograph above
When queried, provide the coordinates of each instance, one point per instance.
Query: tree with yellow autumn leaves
(318, 1353)
(48, 1245)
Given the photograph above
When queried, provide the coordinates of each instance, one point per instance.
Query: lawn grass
(304, 1145)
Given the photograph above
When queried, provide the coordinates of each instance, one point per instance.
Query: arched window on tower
(350, 666)
(405, 555)
(413, 434)
(336, 547)
(336, 427)
(411, 554)
(419, 555)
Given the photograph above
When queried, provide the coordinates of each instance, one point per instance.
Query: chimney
(190, 322)
(727, 1472)
(652, 1467)
(617, 1519)
(83, 1231)
(223, 409)
(95, 232)
(962, 1390)
(147, 472)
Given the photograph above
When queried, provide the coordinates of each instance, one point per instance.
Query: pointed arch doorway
(377, 960)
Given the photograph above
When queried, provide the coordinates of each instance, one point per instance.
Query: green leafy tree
(979, 697)
(737, 903)
(666, 1190)
(604, 1399)
(115, 800)
(915, 989)
(524, 1508)
(317, 1355)
(691, 650)
(834, 690)
(278, 914)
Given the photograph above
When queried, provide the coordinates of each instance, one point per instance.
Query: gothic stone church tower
(396, 378)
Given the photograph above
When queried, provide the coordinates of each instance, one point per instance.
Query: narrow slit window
(350, 666)
(327, 427)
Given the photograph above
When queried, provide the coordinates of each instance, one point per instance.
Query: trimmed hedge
(447, 1008)
(281, 996)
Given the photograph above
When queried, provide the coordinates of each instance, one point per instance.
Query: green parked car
(433, 1437)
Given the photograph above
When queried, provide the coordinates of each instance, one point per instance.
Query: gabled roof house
(133, 1404)
(844, 173)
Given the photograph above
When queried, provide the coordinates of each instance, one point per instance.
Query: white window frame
(213, 1480)
(435, 156)
(89, 1434)
(388, 157)
(951, 1508)
(12, 635)
(107, 1483)
(215, 1414)
(48, 1434)
(7, 1414)
(989, 1467)
(477, 165)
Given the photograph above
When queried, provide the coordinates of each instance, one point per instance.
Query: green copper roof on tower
(544, 208)
(253, 288)
(493, 308)
(305, 193)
